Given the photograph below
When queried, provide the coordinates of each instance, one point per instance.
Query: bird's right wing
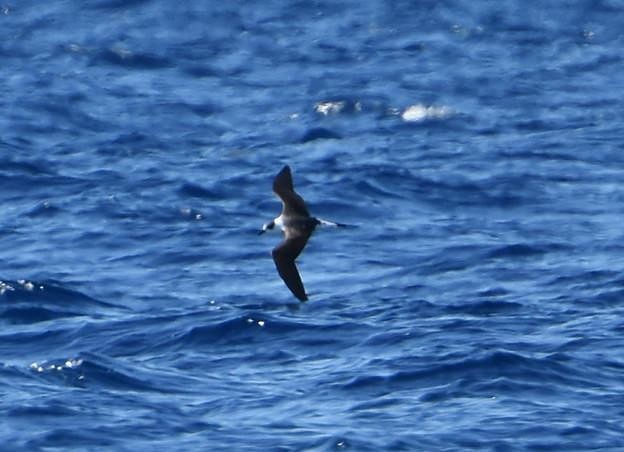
(284, 256)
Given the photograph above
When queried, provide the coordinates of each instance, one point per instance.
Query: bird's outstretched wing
(284, 256)
(293, 204)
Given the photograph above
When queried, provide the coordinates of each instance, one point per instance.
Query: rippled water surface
(475, 147)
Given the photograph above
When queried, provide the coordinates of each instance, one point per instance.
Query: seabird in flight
(297, 225)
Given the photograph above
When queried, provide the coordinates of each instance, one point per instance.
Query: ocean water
(477, 149)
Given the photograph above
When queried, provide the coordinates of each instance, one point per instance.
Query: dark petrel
(297, 225)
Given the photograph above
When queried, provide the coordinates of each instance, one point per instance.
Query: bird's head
(266, 227)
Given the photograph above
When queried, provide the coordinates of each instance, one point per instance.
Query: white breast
(279, 221)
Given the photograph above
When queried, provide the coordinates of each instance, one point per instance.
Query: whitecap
(420, 112)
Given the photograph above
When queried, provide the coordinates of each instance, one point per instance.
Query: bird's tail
(331, 223)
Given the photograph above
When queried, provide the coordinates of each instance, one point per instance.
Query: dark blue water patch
(26, 315)
(471, 371)
(523, 250)
(112, 374)
(500, 385)
(26, 302)
(389, 339)
(453, 258)
(42, 186)
(47, 291)
(596, 278)
(32, 167)
(504, 191)
(131, 59)
(39, 341)
(69, 109)
(193, 190)
(198, 70)
(486, 308)
(64, 437)
(607, 298)
(177, 257)
(114, 4)
(51, 409)
(231, 331)
(132, 143)
(44, 209)
(215, 187)
(258, 328)
(202, 110)
(493, 292)
(372, 189)
(319, 133)
(92, 371)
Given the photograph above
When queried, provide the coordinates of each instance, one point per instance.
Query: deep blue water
(477, 148)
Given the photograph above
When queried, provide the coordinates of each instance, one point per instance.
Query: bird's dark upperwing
(283, 187)
(284, 256)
